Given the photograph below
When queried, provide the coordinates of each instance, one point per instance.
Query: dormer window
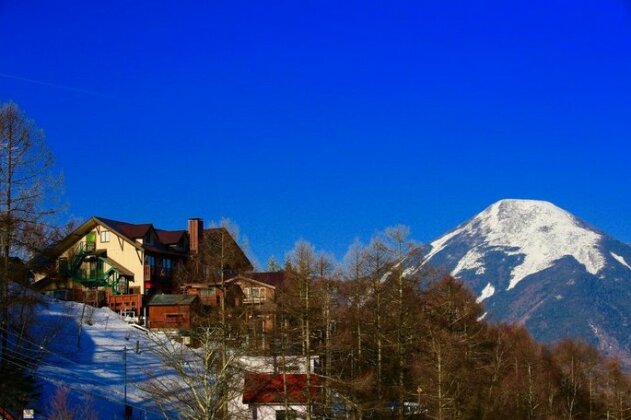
(105, 236)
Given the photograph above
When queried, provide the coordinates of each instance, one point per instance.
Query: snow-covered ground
(81, 349)
(88, 359)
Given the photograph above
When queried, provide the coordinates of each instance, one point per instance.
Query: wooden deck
(125, 303)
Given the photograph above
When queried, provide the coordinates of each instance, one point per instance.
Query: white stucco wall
(120, 251)
(268, 412)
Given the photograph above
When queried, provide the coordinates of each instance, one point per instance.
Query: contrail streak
(55, 85)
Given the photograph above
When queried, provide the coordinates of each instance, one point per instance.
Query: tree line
(394, 341)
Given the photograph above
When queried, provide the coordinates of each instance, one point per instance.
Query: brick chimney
(195, 232)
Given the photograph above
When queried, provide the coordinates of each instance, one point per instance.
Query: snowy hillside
(88, 359)
(531, 262)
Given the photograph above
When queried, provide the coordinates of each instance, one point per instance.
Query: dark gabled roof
(273, 278)
(131, 230)
(54, 251)
(134, 231)
(168, 300)
(268, 388)
(170, 237)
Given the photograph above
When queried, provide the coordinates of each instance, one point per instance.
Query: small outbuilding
(172, 311)
(277, 396)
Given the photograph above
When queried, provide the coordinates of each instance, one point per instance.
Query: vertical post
(125, 377)
(222, 407)
(81, 324)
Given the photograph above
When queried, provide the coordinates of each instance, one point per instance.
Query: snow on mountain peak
(621, 260)
(538, 230)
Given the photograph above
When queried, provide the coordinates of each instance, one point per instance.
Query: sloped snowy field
(88, 359)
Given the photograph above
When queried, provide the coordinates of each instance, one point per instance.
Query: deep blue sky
(327, 120)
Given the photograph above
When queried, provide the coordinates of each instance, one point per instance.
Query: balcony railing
(92, 274)
(253, 300)
(86, 247)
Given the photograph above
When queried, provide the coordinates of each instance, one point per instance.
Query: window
(254, 292)
(174, 318)
(90, 242)
(105, 236)
(121, 286)
(63, 265)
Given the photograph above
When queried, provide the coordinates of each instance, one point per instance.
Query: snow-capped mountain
(533, 263)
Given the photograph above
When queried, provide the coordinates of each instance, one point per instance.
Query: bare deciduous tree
(199, 382)
(62, 409)
(26, 199)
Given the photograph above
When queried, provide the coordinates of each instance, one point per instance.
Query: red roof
(268, 388)
(4, 414)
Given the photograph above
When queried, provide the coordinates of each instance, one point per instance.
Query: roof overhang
(248, 279)
(83, 230)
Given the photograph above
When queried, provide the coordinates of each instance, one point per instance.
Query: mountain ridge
(533, 263)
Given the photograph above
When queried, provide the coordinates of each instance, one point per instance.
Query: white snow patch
(487, 292)
(441, 242)
(537, 230)
(409, 271)
(481, 317)
(471, 261)
(620, 259)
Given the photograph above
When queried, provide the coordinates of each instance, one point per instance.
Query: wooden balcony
(124, 303)
(254, 300)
